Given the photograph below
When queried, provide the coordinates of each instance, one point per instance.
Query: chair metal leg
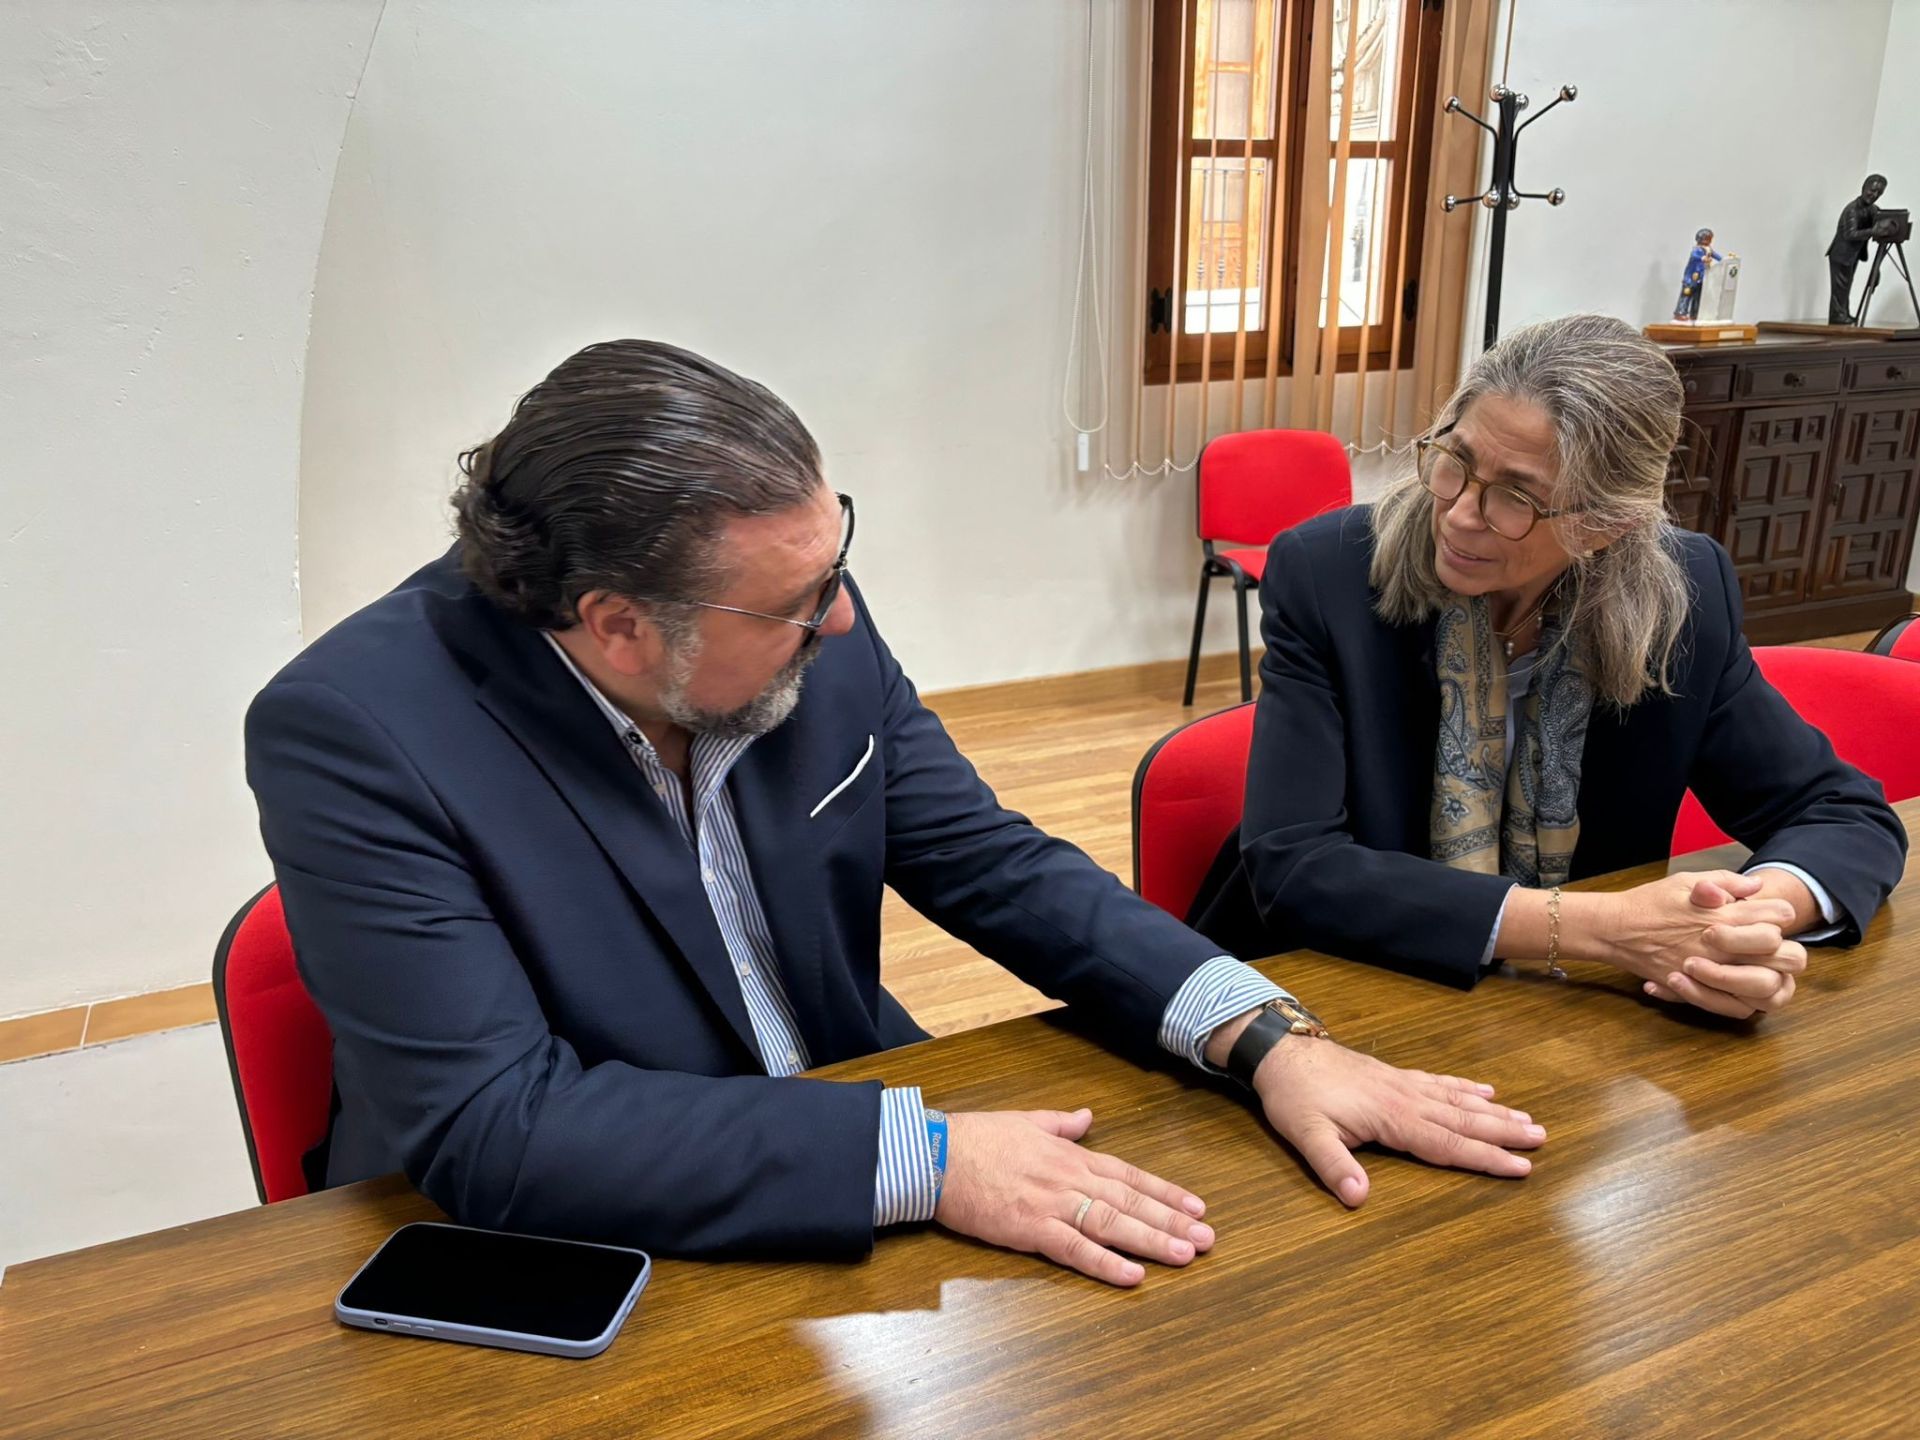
(1199, 624)
(1246, 655)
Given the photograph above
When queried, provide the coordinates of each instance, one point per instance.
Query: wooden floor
(1062, 752)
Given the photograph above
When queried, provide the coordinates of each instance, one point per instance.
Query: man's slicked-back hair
(616, 472)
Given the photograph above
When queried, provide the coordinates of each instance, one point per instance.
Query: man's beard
(759, 715)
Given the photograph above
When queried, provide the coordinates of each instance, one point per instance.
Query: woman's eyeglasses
(1509, 512)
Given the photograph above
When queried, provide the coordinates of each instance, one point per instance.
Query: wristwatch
(1277, 1020)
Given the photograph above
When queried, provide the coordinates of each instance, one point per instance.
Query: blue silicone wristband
(937, 1148)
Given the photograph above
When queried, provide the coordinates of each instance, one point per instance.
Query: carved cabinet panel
(1776, 481)
(1694, 479)
(1867, 522)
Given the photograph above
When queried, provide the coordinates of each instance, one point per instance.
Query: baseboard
(1151, 677)
(80, 1027)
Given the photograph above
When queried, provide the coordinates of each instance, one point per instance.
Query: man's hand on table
(1326, 1099)
(1018, 1178)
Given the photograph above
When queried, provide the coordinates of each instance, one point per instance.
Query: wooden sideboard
(1802, 457)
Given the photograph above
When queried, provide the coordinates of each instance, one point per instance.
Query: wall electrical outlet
(1083, 450)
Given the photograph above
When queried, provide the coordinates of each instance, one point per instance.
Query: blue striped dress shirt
(904, 1181)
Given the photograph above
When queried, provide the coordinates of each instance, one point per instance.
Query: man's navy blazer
(1332, 850)
(534, 1015)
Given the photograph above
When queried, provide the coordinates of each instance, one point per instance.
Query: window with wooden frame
(1230, 90)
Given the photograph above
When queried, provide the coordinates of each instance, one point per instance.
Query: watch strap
(1266, 1030)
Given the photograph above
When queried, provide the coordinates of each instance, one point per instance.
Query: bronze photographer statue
(1849, 247)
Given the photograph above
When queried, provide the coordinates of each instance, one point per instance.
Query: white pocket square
(832, 794)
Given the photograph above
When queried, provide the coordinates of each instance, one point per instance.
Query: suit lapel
(1419, 644)
(534, 698)
(1607, 756)
(1423, 685)
(769, 785)
(1419, 722)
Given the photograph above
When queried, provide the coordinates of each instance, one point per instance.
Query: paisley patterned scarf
(1521, 823)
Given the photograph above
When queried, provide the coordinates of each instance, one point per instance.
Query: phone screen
(559, 1288)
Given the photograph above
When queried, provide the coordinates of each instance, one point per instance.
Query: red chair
(1187, 796)
(1901, 640)
(278, 1046)
(1252, 485)
(1867, 705)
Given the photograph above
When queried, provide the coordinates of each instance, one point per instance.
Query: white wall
(165, 173)
(867, 205)
(890, 245)
(1752, 117)
(1895, 150)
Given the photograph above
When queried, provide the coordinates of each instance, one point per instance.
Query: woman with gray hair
(1506, 675)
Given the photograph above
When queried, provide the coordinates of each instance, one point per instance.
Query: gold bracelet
(1553, 935)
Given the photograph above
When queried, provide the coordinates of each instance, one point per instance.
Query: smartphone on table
(486, 1287)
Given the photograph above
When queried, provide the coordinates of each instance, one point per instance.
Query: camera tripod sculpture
(1501, 195)
(1890, 234)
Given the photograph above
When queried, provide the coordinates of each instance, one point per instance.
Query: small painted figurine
(1702, 255)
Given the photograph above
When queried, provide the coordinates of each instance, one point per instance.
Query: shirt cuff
(1219, 990)
(1829, 912)
(903, 1188)
(1487, 961)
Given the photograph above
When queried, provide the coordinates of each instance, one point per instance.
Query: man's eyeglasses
(1509, 512)
(829, 592)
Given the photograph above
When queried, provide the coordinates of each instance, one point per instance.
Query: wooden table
(1722, 1237)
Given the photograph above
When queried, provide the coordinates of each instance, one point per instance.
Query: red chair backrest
(1187, 795)
(1256, 483)
(1868, 706)
(1901, 639)
(278, 1046)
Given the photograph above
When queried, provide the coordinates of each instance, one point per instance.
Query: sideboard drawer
(1894, 370)
(1707, 384)
(1791, 379)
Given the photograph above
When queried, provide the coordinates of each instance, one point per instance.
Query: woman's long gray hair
(1614, 401)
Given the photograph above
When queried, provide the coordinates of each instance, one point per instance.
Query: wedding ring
(1080, 1215)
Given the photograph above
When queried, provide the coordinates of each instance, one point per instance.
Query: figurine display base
(1698, 332)
(1841, 332)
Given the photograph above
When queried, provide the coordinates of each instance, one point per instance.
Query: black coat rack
(1502, 194)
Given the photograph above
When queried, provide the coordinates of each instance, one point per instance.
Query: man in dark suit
(582, 834)
(1849, 247)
